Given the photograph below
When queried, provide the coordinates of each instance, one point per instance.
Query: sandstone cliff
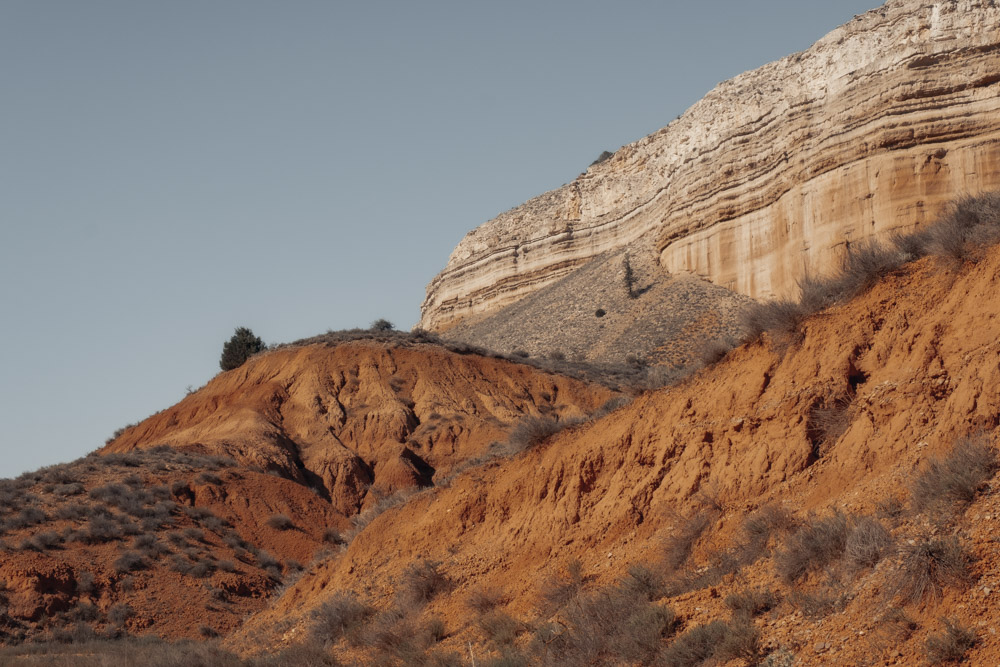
(764, 180)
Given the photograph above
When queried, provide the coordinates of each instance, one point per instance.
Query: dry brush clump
(928, 566)
(951, 644)
(952, 481)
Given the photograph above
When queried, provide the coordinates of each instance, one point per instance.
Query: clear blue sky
(170, 170)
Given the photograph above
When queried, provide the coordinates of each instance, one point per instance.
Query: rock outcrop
(873, 129)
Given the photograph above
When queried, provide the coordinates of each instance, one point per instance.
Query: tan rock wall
(874, 128)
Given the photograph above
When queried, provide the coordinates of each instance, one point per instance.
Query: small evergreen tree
(239, 348)
(629, 278)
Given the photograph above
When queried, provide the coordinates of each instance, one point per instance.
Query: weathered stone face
(874, 129)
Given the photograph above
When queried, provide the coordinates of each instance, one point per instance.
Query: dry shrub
(867, 543)
(642, 581)
(610, 406)
(970, 224)
(819, 604)
(420, 582)
(340, 616)
(129, 561)
(781, 316)
(951, 644)
(896, 626)
(813, 547)
(712, 351)
(640, 629)
(532, 431)
(558, 590)
(695, 646)
(678, 546)
(740, 642)
(500, 628)
(953, 481)
(928, 566)
(752, 602)
(762, 524)
(484, 600)
(829, 421)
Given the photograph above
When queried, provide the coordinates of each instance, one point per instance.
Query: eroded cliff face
(873, 129)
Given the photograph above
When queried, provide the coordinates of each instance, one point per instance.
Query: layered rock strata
(873, 129)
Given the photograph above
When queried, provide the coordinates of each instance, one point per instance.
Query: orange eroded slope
(915, 360)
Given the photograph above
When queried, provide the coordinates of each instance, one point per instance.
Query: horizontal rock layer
(875, 128)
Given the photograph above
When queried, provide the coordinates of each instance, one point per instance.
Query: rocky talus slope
(769, 176)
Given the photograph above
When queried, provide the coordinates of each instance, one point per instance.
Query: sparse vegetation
(813, 547)
(951, 644)
(420, 582)
(953, 480)
(928, 566)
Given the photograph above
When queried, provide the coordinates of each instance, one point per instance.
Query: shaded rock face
(766, 179)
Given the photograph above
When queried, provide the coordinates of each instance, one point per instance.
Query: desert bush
(119, 613)
(84, 611)
(381, 325)
(421, 581)
(500, 627)
(741, 641)
(752, 602)
(339, 616)
(767, 520)
(484, 600)
(951, 644)
(129, 561)
(695, 646)
(970, 223)
(71, 489)
(610, 406)
(269, 563)
(102, 529)
(85, 584)
(819, 604)
(41, 541)
(27, 517)
(778, 316)
(208, 478)
(560, 588)
(532, 431)
(712, 351)
(643, 582)
(194, 533)
(813, 547)
(180, 564)
(896, 625)
(333, 536)
(954, 479)
(280, 522)
(677, 546)
(867, 542)
(641, 629)
(927, 567)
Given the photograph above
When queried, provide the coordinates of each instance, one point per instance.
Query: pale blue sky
(171, 170)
